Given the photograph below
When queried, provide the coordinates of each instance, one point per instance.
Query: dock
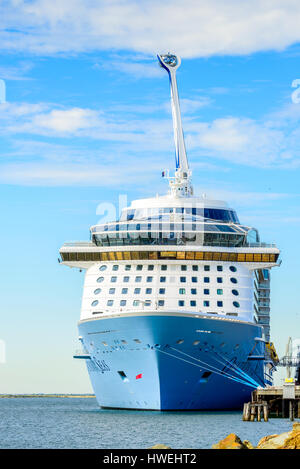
(281, 401)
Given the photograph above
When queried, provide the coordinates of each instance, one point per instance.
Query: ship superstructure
(175, 309)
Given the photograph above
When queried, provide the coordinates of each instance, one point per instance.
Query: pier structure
(281, 401)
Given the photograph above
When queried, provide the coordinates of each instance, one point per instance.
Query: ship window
(206, 279)
(194, 279)
(103, 267)
(150, 267)
(136, 302)
(164, 267)
(97, 291)
(220, 304)
(138, 279)
(161, 302)
(219, 280)
(149, 279)
(137, 291)
(205, 303)
(162, 291)
(123, 303)
(195, 267)
(127, 267)
(148, 303)
(100, 279)
(148, 291)
(182, 291)
(162, 279)
(113, 279)
(194, 291)
(219, 291)
(235, 292)
(115, 267)
(206, 291)
(207, 268)
(236, 304)
(95, 303)
(112, 291)
(183, 279)
(180, 303)
(110, 302)
(193, 303)
(124, 291)
(139, 267)
(183, 267)
(126, 279)
(232, 268)
(219, 268)
(233, 280)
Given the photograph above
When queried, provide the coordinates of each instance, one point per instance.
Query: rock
(287, 440)
(232, 441)
(248, 444)
(296, 427)
(160, 446)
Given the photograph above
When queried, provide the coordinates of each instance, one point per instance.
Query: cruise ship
(176, 300)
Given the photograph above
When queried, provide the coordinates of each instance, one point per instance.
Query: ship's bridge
(169, 220)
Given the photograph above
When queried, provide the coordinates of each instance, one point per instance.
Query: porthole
(97, 291)
(233, 279)
(233, 268)
(235, 292)
(103, 267)
(236, 304)
(94, 303)
(100, 279)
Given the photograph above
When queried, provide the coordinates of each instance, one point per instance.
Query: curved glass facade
(206, 213)
(169, 239)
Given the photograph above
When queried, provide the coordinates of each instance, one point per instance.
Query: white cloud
(273, 141)
(66, 121)
(191, 28)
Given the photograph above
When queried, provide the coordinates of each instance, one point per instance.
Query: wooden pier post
(266, 412)
(246, 412)
(259, 413)
(252, 413)
(291, 410)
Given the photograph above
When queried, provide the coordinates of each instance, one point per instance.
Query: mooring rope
(249, 382)
(233, 378)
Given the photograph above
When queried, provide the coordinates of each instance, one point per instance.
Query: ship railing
(166, 242)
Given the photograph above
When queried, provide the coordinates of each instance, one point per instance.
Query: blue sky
(87, 117)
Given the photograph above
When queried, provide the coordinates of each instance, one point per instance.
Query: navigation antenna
(180, 184)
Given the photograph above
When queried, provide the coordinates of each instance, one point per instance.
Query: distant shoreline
(12, 396)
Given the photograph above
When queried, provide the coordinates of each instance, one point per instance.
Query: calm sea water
(80, 423)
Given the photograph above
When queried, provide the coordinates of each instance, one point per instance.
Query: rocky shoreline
(287, 440)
